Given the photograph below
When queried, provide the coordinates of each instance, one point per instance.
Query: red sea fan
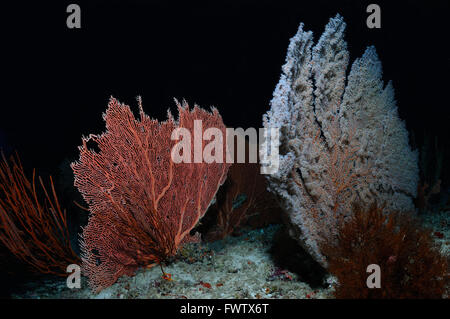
(143, 205)
(33, 226)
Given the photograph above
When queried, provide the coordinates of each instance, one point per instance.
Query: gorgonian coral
(143, 205)
(410, 263)
(341, 139)
(33, 225)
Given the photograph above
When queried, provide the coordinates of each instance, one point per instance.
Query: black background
(276, 308)
(56, 81)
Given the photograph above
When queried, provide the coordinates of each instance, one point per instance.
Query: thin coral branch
(33, 227)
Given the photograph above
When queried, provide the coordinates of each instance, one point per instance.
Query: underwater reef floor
(261, 263)
(245, 266)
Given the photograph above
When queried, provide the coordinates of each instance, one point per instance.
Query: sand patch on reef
(236, 267)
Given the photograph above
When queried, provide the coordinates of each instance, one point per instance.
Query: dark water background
(56, 82)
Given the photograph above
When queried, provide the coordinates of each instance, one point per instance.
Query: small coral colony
(346, 183)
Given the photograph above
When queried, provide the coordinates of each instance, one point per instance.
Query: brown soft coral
(411, 266)
(243, 200)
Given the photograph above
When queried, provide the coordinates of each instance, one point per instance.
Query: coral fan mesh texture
(142, 204)
(341, 139)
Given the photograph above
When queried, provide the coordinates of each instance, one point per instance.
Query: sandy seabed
(236, 267)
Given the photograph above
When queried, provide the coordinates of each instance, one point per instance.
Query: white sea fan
(339, 142)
